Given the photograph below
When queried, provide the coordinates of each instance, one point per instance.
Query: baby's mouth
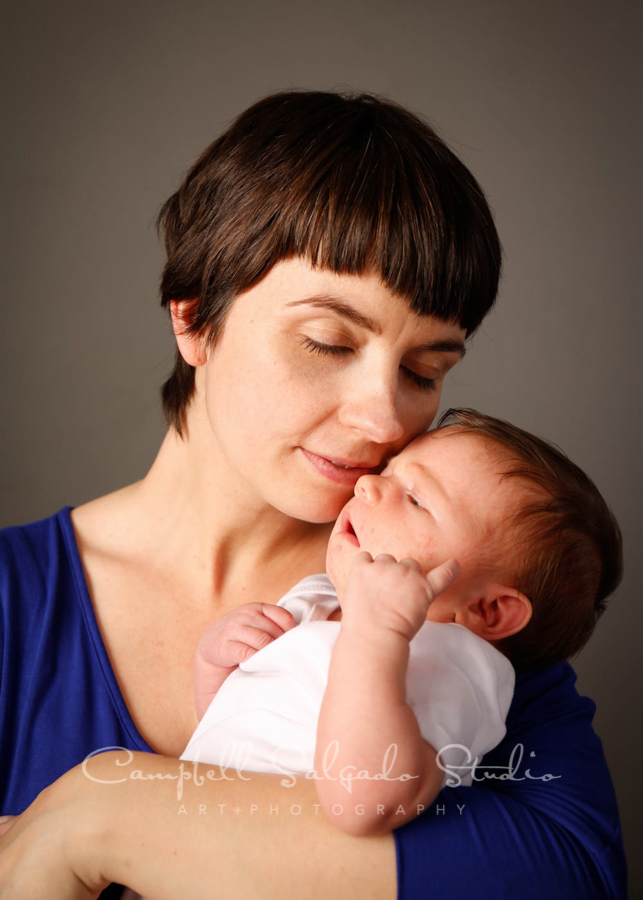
(349, 530)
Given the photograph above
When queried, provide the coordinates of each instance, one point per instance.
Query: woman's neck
(205, 520)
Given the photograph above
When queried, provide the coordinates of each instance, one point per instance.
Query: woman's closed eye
(324, 349)
(424, 384)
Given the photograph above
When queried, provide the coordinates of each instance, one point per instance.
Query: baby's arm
(231, 640)
(364, 714)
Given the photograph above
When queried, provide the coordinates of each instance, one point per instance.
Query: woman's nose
(375, 413)
(368, 489)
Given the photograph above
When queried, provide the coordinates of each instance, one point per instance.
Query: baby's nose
(368, 489)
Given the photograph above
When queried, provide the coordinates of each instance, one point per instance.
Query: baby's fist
(386, 595)
(231, 640)
(237, 636)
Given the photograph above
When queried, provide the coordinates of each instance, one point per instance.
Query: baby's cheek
(422, 551)
(337, 566)
(331, 556)
(377, 540)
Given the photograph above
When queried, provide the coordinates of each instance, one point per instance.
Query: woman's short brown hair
(563, 546)
(353, 183)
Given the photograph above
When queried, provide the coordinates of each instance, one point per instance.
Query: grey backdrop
(108, 103)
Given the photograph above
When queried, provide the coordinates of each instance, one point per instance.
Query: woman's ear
(191, 346)
(501, 612)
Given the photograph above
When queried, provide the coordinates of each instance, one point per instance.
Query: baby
(425, 654)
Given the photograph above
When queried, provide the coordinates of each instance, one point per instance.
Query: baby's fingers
(412, 564)
(442, 577)
(248, 641)
(280, 616)
(257, 634)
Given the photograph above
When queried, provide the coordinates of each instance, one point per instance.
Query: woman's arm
(522, 837)
(229, 838)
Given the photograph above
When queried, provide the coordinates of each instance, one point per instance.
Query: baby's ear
(501, 612)
(191, 346)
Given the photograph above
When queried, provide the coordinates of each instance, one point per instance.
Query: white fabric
(264, 716)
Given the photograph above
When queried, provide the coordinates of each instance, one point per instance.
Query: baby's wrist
(210, 665)
(209, 675)
(372, 637)
(208, 656)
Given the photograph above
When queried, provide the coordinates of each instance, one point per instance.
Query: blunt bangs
(365, 202)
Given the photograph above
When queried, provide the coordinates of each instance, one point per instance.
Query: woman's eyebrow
(344, 309)
(444, 347)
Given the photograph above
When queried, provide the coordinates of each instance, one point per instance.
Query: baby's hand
(382, 593)
(231, 640)
(237, 636)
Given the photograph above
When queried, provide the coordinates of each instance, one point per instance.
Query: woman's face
(316, 380)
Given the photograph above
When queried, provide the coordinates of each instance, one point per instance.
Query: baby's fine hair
(563, 546)
(352, 183)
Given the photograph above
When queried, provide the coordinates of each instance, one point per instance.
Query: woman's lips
(338, 470)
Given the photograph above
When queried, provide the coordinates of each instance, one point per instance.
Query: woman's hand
(47, 853)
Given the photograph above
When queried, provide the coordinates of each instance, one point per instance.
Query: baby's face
(440, 498)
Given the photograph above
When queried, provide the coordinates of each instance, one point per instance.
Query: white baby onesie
(264, 716)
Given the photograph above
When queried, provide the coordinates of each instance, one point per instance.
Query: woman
(327, 258)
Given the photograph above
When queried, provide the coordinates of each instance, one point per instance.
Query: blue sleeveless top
(541, 819)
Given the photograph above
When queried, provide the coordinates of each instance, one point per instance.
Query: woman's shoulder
(37, 576)
(102, 525)
(33, 546)
(552, 744)
(38, 555)
(543, 794)
(546, 703)
(556, 767)
(27, 550)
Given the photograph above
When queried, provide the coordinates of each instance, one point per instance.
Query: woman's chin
(315, 510)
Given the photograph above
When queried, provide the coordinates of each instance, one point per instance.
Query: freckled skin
(362, 405)
(441, 498)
